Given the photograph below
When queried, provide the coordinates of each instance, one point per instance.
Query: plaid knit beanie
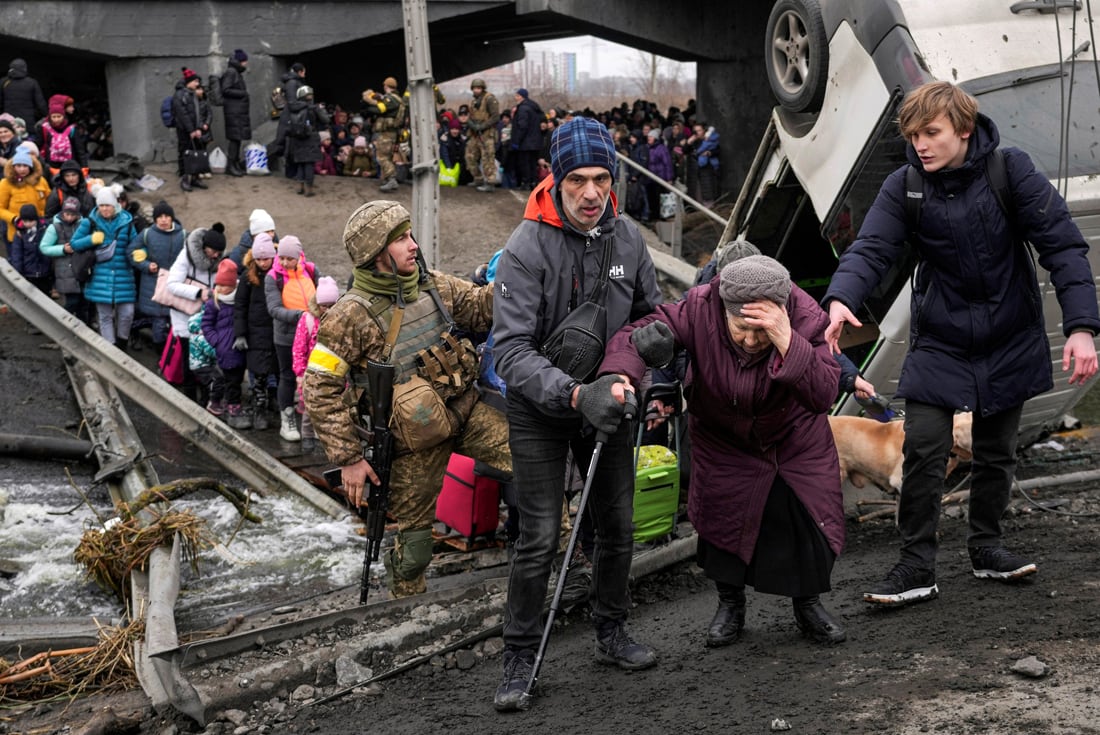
(579, 143)
(754, 278)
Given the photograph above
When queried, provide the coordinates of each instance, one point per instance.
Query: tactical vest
(392, 117)
(481, 109)
(424, 345)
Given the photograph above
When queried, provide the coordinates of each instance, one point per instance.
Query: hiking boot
(511, 693)
(485, 187)
(903, 585)
(238, 417)
(729, 619)
(615, 646)
(309, 445)
(216, 407)
(815, 622)
(997, 562)
(288, 431)
(389, 184)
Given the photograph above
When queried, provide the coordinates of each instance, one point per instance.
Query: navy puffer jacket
(976, 338)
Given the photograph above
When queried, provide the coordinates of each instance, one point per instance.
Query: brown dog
(871, 450)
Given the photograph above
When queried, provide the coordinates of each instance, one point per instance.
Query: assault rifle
(379, 453)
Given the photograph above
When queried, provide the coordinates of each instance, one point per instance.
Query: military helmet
(368, 230)
(477, 82)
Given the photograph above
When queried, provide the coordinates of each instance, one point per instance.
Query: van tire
(796, 54)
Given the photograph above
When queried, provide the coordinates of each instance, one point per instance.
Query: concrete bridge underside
(133, 52)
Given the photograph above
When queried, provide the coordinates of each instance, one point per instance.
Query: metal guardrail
(677, 239)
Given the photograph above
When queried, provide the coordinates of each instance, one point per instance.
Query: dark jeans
(304, 172)
(288, 381)
(927, 444)
(539, 446)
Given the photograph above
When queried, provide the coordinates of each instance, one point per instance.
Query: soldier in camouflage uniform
(389, 284)
(389, 112)
(481, 147)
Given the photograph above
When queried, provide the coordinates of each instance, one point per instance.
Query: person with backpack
(294, 78)
(69, 272)
(305, 119)
(152, 251)
(235, 105)
(977, 341)
(187, 119)
(388, 110)
(59, 138)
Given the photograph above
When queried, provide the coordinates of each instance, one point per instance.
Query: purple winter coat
(217, 328)
(750, 419)
(660, 162)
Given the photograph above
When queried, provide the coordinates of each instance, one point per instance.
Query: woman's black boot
(729, 619)
(815, 622)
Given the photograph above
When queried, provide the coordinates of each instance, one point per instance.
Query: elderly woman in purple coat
(765, 493)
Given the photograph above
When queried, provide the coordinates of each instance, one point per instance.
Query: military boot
(389, 184)
(614, 645)
(406, 561)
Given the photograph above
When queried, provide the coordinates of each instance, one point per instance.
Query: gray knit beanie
(734, 251)
(754, 278)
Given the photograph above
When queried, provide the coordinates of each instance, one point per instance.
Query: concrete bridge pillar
(136, 88)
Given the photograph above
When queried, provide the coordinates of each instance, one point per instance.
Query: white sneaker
(289, 430)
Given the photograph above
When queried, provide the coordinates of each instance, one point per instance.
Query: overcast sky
(610, 59)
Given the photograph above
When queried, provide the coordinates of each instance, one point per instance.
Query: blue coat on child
(217, 328)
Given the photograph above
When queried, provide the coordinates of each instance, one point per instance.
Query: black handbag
(196, 161)
(83, 264)
(576, 345)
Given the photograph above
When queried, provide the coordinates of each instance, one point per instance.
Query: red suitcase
(469, 502)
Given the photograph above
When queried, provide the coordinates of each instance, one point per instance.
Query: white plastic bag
(218, 160)
(255, 159)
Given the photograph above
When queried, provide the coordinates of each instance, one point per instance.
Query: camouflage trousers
(384, 143)
(481, 160)
(416, 479)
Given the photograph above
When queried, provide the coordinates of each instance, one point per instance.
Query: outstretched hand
(838, 315)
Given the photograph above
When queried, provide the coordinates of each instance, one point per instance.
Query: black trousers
(927, 444)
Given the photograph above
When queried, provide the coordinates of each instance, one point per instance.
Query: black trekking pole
(630, 410)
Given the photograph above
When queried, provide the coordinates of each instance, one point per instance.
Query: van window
(1026, 106)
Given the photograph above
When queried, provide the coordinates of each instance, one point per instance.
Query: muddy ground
(943, 667)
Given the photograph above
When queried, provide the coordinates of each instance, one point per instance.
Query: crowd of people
(260, 331)
(485, 142)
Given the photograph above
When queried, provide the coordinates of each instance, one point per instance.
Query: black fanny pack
(576, 345)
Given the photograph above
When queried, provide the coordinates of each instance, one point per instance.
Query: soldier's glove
(654, 343)
(240, 344)
(596, 404)
(97, 238)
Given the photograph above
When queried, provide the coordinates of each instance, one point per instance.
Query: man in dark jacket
(295, 77)
(189, 130)
(977, 339)
(238, 124)
(20, 94)
(526, 138)
(570, 219)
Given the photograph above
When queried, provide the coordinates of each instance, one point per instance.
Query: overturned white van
(840, 68)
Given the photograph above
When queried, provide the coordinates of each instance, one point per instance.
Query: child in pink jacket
(305, 337)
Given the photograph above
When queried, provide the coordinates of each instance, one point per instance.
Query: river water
(296, 552)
